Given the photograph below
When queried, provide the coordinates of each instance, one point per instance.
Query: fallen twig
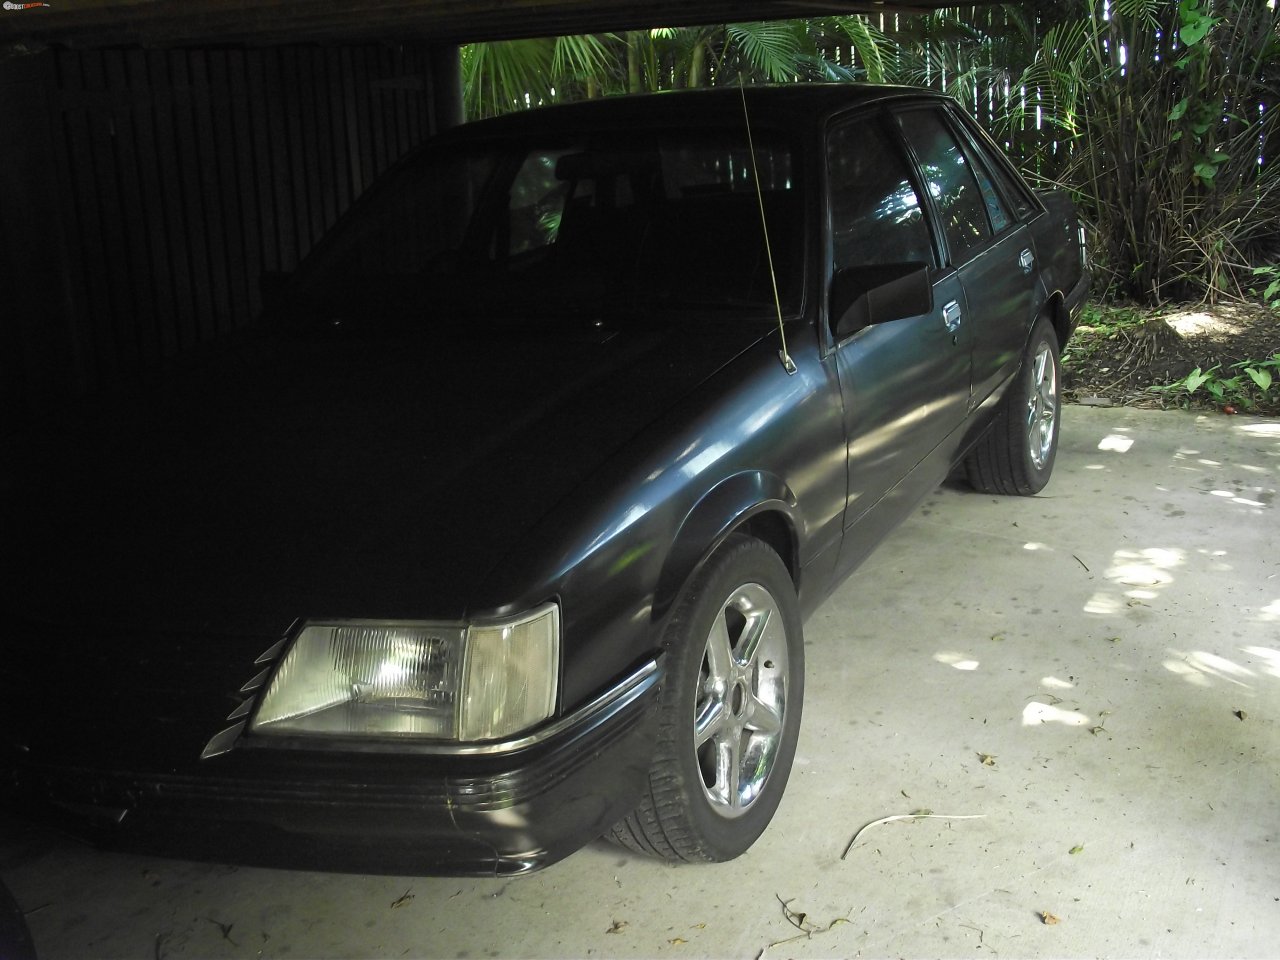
(404, 898)
(800, 922)
(908, 816)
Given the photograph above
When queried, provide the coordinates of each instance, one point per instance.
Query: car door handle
(1027, 259)
(951, 316)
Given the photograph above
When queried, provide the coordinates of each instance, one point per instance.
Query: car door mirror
(880, 293)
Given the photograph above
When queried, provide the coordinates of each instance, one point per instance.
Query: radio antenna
(787, 363)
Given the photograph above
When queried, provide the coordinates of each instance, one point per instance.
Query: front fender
(737, 501)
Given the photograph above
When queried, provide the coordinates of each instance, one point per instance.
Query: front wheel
(730, 710)
(1016, 455)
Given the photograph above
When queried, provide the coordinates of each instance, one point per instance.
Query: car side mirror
(879, 293)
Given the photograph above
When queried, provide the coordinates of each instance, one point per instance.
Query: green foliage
(1100, 323)
(1107, 321)
(768, 50)
(1245, 389)
(511, 75)
(1271, 293)
(1146, 110)
(1165, 141)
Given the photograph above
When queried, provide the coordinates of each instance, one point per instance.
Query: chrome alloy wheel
(1042, 406)
(741, 700)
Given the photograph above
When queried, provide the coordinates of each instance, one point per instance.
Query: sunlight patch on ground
(1260, 429)
(1102, 604)
(1053, 683)
(1037, 546)
(1270, 613)
(1190, 324)
(1143, 571)
(1271, 658)
(1145, 568)
(1036, 713)
(1116, 443)
(1199, 667)
(1216, 560)
(1236, 498)
(958, 660)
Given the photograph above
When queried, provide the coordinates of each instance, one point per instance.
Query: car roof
(789, 106)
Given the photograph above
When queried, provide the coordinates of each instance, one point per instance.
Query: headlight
(368, 678)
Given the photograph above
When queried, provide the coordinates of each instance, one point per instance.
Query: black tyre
(730, 710)
(1016, 455)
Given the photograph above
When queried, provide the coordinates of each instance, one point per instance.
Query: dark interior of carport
(158, 156)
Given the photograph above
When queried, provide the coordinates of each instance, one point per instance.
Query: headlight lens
(409, 679)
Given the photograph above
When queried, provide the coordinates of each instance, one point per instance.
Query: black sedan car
(498, 533)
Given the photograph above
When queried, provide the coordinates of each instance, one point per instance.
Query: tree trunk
(633, 62)
(697, 65)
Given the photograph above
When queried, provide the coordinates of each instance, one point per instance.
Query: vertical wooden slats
(226, 148)
(152, 210)
(351, 125)
(313, 187)
(240, 102)
(41, 355)
(191, 163)
(184, 174)
(332, 71)
(133, 223)
(92, 293)
(165, 93)
(114, 320)
(259, 106)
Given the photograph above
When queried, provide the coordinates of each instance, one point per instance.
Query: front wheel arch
(755, 503)
(728, 710)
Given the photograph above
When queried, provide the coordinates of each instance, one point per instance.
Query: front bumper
(497, 814)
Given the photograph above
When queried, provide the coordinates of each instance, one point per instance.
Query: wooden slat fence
(181, 175)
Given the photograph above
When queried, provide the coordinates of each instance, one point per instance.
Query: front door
(905, 384)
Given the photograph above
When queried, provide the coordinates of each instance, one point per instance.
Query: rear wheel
(730, 710)
(1016, 455)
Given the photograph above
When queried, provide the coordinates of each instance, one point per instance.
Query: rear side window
(951, 182)
(535, 204)
(876, 216)
(996, 211)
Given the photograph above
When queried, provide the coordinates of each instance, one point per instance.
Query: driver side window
(876, 217)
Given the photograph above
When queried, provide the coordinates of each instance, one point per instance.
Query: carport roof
(164, 23)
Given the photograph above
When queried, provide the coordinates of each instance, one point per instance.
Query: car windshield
(641, 226)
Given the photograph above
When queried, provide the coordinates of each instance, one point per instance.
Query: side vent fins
(223, 741)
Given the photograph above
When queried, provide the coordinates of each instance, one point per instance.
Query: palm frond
(871, 46)
(504, 75)
(586, 55)
(768, 48)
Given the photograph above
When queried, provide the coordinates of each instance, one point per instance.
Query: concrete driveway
(1082, 688)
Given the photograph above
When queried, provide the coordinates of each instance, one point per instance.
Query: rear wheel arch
(1016, 453)
(1055, 312)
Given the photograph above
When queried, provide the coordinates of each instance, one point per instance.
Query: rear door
(987, 243)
